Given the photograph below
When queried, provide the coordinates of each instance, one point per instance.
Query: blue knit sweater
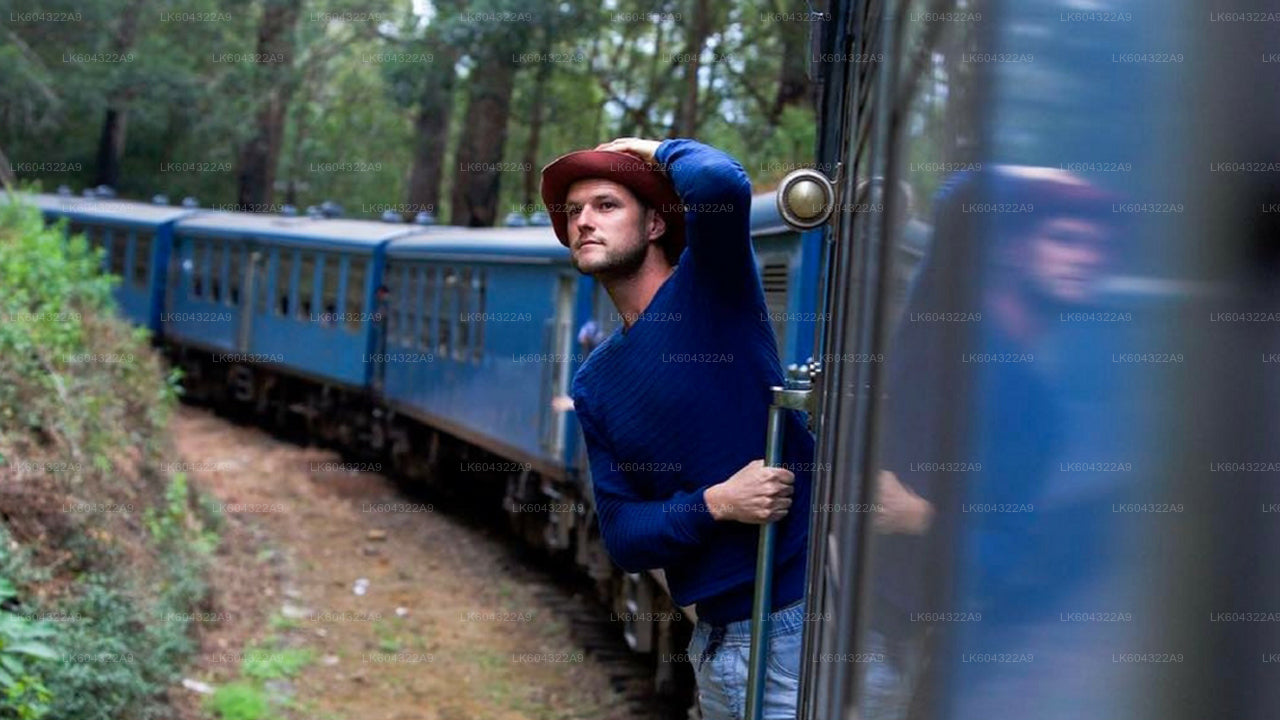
(679, 402)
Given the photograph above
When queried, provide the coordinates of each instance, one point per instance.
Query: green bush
(24, 641)
(111, 655)
(124, 589)
(56, 309)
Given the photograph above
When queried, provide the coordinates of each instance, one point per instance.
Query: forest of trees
(451, 106)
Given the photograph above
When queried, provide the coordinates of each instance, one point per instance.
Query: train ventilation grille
(775, 277)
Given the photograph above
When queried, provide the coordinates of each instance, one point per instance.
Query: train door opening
(562, 346)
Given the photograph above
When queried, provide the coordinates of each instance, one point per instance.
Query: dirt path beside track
(366, 605)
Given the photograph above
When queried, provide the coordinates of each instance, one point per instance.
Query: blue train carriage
(480, 339)
(280, 313)
(135, 238)
(789, 262)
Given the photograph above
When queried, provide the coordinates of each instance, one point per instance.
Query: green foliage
(354, 86)
(119, 653)
(70, 365)
(261, 663)
(123, 598)
(24, 641)
(248, 699)
(174, 523)
(239, 701)
(103, 653)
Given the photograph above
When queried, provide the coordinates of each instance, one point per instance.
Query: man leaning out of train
(674, 403)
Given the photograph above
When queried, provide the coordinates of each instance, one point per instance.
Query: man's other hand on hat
(641, 148)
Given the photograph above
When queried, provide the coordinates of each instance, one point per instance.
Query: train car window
(412, 305)
(116, 244)
(179, 268)
(199, 268)
(329, 289)
(462, 344)
(406, 300)
(99, 240)
(102, 239)
(235, 264)
(74, 229)
(126, 240)
(287, 280)
(427, 300)
(444, 342)
(356, 292)
(264, 286)
(477, 338)
(392, 280)
(399, 303)
(94, 237)
(217, 260)
(306, 285)
(141, 258)
(174, 271)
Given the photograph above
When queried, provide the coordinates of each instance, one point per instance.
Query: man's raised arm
(716, 193)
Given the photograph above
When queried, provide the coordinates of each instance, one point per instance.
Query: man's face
(609, 230)
(1067, 256)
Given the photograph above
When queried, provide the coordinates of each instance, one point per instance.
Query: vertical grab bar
(797, 395)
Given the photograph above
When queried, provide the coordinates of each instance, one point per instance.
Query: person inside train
(979, 315)
(673, 403)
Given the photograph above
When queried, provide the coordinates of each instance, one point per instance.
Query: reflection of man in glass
(1029, 265)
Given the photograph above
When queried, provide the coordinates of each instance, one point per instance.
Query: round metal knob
(806, 198)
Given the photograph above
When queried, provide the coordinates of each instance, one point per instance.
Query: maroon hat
(647, 181)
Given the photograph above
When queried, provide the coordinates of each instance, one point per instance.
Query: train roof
(493, 244)
(338, 232)
(119, 211)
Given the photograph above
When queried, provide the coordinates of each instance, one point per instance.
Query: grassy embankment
(104, 550)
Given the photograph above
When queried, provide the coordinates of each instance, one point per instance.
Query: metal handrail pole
(764, 572)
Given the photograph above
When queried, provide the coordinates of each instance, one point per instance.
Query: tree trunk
(484, 138)
(533, 173)
(794, 87)
(431, 133)
(256, 165)
(115, 121)
(111, 147)
(7, 177)
(699, 29)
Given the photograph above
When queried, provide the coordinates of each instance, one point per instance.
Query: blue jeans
(892, 675)
(720, 658)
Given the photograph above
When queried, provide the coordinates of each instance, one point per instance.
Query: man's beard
(616, 263)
